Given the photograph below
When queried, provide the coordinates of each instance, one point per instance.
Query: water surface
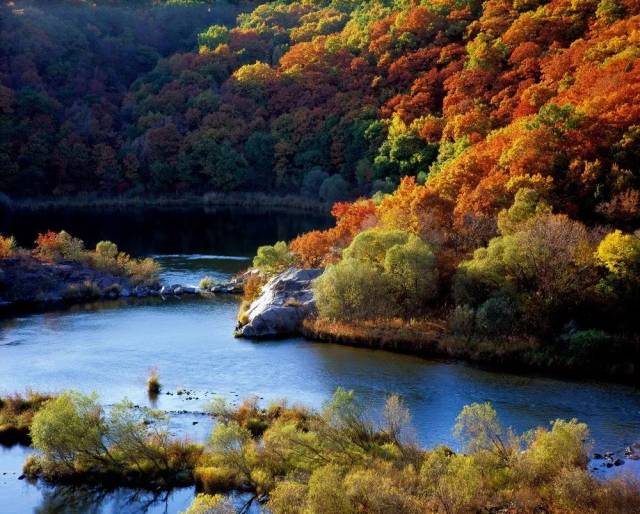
(110, 348)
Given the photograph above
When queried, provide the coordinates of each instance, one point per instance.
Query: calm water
(110, 349)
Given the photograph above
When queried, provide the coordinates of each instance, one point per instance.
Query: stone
(286, 300)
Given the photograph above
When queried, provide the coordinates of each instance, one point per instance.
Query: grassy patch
(16, 415)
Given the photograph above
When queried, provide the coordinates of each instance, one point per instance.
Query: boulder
(286, 300)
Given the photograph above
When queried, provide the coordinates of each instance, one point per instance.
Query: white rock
(286, 300)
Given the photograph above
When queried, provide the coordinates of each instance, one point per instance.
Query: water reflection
(236, 232)
(74, 499)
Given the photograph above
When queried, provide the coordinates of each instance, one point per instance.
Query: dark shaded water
(110, 349)
(165, 231)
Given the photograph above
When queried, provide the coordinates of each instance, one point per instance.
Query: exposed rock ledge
(286, 300)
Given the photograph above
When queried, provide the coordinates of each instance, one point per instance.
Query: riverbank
(29, 282)
(432, 339)
(283, 456)
(286, 305)
(258, 201)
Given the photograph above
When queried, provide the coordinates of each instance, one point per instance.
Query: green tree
(334, 189)
(383, 273)
(272, 259)
(213, 36)
(479, 429)
(70, 430)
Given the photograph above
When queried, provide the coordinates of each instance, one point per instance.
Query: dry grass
(251, 291)
(153, 383)
(16, 414)
(429, 339)
(393, 334)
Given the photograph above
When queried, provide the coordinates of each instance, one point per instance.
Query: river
(110, 348)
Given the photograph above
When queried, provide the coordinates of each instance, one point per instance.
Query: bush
(288, 497)
(69, 430)
(153, 383)
(57, 246)
(338, 461)
(140, 271)
(496, 316)
(462, 320)
(7, 246)
(105, 257)
(86, 290)
(351, 291)
(326, 492)
(77, 440)
(592, 349)
(546, 266)
(383, 273)
(550, 452)
(620, 254)
(273, 259)
(16, 415)
(207, 283)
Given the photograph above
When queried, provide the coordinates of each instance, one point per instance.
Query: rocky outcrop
(27, 281)
(285, 301)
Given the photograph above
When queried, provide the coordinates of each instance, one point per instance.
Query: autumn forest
(454, 181)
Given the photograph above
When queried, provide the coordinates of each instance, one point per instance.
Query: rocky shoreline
(27, 283)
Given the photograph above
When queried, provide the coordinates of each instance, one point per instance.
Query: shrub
(352, 290)
(496, 316)
(478, 427)
(69, 430)
(86, 290)
(56, 246)
(16, 416)
(153, 383)
(413, 275)
(108, 259)
(207, 283)
(7, 246)
(462, 320)
(454, 481)
(105, 257)
(337, 461)
(288, 497)
(546, 266)
(77, 440)
(565, 446)
(588, 346)
(141, 271)
(273, 259)
(383, 273)
(326, 491)
(214, 478)
(620, 254)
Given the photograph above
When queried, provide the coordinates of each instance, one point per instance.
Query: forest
(331, 98)
(481, 162)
